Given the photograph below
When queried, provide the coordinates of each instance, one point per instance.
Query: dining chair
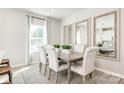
(47, 46)
(43, 60)
(87, 65)
(80, 48)
(54, 64)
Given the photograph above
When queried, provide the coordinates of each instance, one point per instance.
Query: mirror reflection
(105, 28)
(68, 34)
(81, 33)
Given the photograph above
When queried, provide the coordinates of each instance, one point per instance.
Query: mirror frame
(88, 32)
(71, 33)
(116, 35)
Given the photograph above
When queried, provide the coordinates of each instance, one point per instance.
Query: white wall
(114, 66)
(55, 31)
(13, 34)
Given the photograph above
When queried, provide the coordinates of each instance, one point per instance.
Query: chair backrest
(48, 46)
(53, 59)
(43, 57)
(89, 60)
(80, 48)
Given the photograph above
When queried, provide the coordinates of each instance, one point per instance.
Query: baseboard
(109, 72)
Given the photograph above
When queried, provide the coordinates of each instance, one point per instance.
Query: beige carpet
(31, 75)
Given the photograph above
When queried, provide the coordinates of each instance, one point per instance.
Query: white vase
(57, 49)
(66, 51)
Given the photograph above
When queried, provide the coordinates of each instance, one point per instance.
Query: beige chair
(54, 63)
(80, 48)
(43, 60)
(87, 65)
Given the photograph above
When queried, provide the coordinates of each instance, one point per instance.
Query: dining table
(69, 59)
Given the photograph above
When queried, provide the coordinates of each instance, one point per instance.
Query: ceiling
(58, 13)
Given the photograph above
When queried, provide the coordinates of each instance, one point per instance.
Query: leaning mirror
(68, 34)
(82, 32)
(105, 34)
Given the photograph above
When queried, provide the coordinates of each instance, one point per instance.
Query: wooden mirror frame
(116, 35)
(71, 33)
(88, 31)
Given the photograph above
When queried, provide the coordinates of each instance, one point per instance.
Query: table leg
(69, 72)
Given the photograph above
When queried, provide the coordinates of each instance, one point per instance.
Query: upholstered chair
(87, 65)
(80, 48)
(43, 59)
(54, 63)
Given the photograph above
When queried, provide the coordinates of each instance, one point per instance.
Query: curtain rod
(36, 17)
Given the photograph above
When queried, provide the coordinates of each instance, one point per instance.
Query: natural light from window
(38, 36)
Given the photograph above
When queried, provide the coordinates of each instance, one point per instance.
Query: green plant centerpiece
(66, 49)
(66, 46)
(56, 46)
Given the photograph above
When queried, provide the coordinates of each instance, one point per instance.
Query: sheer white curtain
(38, 33)
(36, 36)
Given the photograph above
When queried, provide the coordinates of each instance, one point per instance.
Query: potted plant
(57, 47)
(66, 49)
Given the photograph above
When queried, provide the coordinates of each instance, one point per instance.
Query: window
(38, 34)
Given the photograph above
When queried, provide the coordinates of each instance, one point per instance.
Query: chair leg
(45, 70)
(56, 78)
(83, 79)
(49, 74)
(91, 77)
(10, 77)
(40, 67)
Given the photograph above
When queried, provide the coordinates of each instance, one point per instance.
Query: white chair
(43, 59)
(54, 63)
(80, 48)
(48, 46)
(87, 65)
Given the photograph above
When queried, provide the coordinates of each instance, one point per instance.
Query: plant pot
(57, 50)
(66, 51)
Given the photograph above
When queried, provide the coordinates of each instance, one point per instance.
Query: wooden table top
(71, 57)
